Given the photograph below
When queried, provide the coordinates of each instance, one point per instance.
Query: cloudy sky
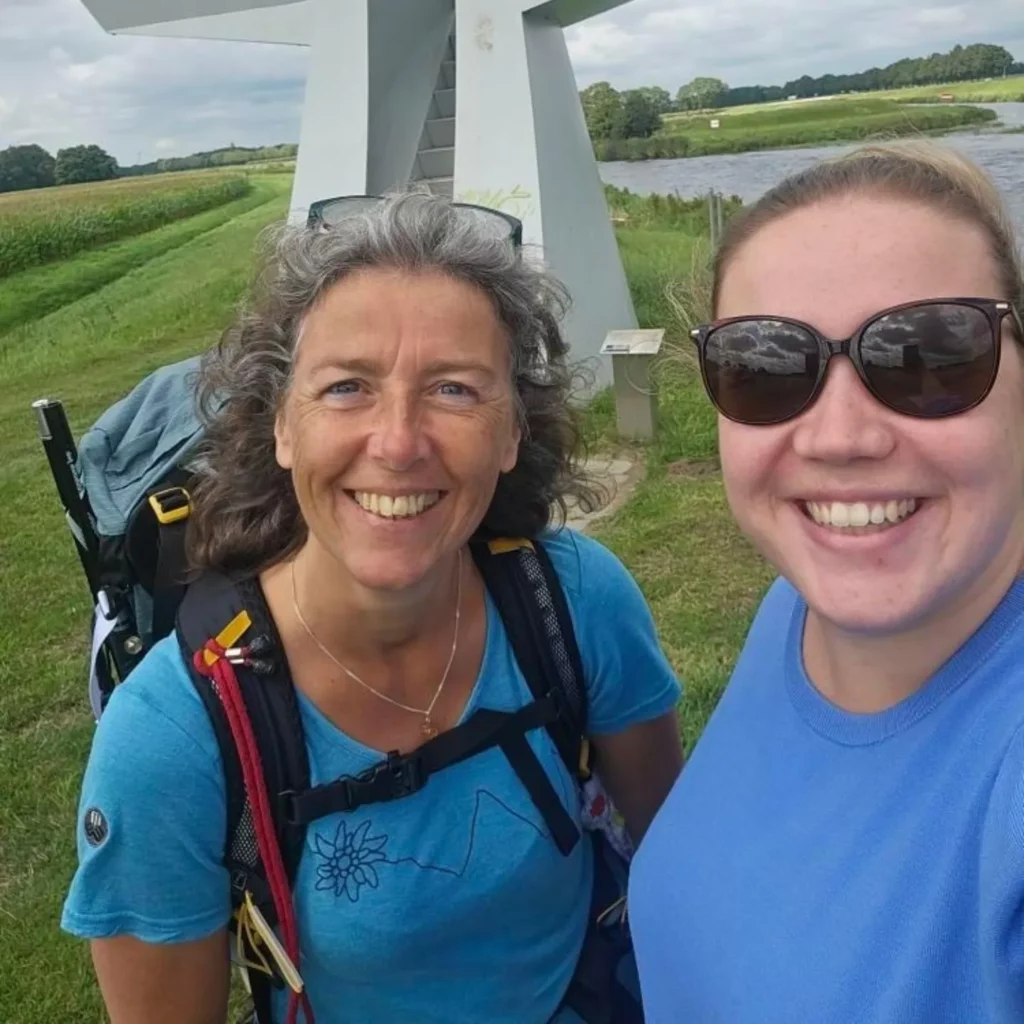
(64, 81)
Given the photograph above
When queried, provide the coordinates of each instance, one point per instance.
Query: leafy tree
(702, 94)
(24, 167)
(604, 111)
(84, 163)
(660, 99)
(640, 115)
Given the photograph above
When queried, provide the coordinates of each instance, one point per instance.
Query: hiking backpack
(125, 497)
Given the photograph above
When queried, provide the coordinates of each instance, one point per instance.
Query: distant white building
(476, 99)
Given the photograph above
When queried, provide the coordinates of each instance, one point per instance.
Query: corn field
(51, 224)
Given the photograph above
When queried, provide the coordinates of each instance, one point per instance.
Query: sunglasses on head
(925, 359)
(329, 213)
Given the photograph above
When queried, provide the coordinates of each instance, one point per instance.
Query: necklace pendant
(428, 729)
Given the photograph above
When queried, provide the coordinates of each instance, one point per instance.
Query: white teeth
(860, 513)
(839, 514)
(401, 507)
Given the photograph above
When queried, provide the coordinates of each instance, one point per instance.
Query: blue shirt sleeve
(152, 815)
(1002, 891)
(629, 678)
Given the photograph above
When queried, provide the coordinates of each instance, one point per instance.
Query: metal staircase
(435, 159)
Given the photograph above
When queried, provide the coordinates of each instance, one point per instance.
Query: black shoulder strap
(209, 605)
(154, 548)
(529, 597)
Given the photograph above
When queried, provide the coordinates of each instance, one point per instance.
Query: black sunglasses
(328, 213)
(925, 359)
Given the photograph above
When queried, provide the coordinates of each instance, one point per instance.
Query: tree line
(31, 166)
(636, 113)
(227, 157)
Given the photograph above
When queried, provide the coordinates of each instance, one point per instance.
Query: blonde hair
(913, 170)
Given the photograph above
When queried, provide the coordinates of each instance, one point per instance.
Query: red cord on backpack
(223, 674)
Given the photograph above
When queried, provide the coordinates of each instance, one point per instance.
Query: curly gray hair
(246, 515)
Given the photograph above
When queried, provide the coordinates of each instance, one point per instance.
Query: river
(748, 175)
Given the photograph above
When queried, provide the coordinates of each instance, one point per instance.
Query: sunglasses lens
(932, 360)
(761, 371)
(339, 210)
(488, 223)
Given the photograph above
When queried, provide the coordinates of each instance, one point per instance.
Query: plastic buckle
(405, 774)
(170, 505)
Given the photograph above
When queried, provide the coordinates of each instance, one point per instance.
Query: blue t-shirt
(813, 865)
(452, 905)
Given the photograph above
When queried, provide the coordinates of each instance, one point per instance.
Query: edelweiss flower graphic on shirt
(346, 864)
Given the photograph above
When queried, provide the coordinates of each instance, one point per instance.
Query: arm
(151, 893)
(184, 983)
(638, 768)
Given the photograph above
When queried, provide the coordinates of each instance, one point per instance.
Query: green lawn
(701, 578)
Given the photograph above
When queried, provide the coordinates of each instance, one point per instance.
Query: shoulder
(629, 678)
(587, 570)
(773, 621)
(1001, 884)
(155, 723)
(152, 813)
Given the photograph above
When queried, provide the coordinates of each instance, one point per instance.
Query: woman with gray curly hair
(399, 390)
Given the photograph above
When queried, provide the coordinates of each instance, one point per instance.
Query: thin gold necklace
(427, 727)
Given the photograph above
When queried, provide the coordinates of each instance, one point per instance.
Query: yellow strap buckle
(503, 545)
(170, 505)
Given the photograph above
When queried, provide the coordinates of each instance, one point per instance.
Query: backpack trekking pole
(59, 445)
(118, 636)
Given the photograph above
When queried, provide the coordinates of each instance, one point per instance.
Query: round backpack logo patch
(95, 826)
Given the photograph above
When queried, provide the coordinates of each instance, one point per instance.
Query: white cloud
(749, 42)
(63, 80)
(943, 16)
(68, 82)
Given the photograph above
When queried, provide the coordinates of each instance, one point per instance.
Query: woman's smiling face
(400, 418)
(957, 483)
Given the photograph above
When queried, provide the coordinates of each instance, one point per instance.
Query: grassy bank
(994, 90)
(33, 294)
(701, 578)
(804, 123)
(46, 225)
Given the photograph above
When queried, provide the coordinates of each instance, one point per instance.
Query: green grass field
(992, 90)
(161, 297)
(799, 123)
(46, 225)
